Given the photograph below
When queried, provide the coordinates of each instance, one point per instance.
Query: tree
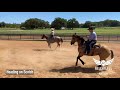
(106, 23)
(72, 23)
(99, 24)
(58, 23)
(87, 24)
(22, 26)
(114, 23)
(47, 25)
(34, 23)
(2, 24)
(110, 23)
(13, 25)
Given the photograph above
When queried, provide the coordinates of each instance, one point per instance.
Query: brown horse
(102, 51)
(50, 40)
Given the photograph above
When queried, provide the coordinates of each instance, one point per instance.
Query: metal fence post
(8, 37)
(33, 37)
(108, 38)
(20, 36)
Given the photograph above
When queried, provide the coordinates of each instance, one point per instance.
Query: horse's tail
(112, 54)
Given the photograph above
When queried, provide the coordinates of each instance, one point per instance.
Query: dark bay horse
(50, 40)
(102, 51)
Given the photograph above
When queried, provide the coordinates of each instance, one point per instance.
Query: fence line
(65, 37)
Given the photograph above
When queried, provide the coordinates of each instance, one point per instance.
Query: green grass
(82, 31)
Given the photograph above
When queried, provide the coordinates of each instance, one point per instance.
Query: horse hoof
(83, 63)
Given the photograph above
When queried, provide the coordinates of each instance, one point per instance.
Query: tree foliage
(58, 23)
(105, 23)
(2, 24)
(34, 23)
(87, 24)
(72, 23)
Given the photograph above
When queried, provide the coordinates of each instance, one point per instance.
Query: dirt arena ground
(52, 63)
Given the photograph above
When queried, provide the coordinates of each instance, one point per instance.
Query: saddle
(51, 39)
(92, 49)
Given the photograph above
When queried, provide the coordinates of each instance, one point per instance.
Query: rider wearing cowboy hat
(92, 39)
(52, 33)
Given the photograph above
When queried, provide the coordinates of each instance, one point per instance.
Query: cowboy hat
(91, 28)
(52, 29)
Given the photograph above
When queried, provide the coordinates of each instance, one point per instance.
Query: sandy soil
(52, 63)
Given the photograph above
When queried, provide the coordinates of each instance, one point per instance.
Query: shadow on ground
(43, 50)
(74, 69)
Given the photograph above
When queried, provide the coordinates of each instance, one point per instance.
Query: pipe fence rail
(65, 37)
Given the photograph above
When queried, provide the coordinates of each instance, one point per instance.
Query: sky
(82, 17)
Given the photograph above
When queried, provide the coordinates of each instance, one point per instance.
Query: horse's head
(76, 38)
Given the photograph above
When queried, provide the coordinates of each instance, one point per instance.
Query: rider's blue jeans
(89, 45)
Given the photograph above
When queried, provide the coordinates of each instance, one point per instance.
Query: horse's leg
(49, 45)
(77, 61)
(56, 47)
(78, 58)
(58, 44)
(82, 61)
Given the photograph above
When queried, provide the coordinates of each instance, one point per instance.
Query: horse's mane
(81, 38)
(44, 35)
